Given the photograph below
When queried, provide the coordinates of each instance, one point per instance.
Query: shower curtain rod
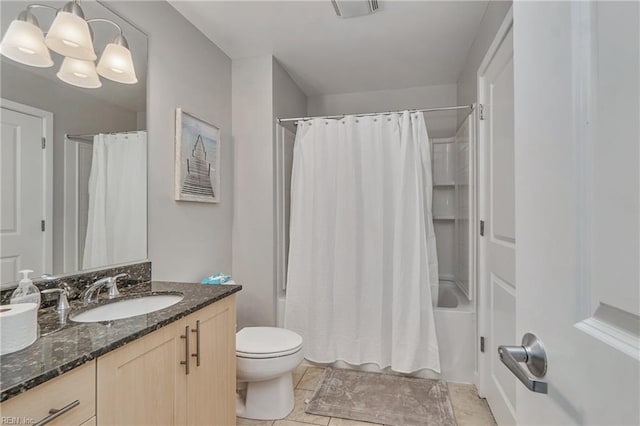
(449, 108)
(88, 137)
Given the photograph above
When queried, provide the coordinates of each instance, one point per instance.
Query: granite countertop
(65, 345)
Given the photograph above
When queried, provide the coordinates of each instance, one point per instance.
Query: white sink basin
(127, 308)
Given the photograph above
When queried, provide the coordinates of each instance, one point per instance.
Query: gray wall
(262, 91)
(75, 111)
(491, 21)
(187, 241)
(439, 124)
(288, 101)
(288, 98)
(253, 231)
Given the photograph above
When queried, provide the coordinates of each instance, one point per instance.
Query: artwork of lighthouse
(197, 169)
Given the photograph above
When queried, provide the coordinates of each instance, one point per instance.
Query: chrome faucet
(91, 294)
(62, 292)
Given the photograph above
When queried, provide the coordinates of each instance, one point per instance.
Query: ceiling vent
(354, 8)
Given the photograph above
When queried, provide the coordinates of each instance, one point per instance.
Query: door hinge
(481, 343)
(42, 225)
(482, 228)
(481, 111)
(44, 142)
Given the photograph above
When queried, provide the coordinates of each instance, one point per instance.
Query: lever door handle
(532, 354)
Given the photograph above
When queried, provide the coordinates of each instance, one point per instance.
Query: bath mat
(382, 398)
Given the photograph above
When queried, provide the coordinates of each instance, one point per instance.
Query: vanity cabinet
(74, 393)
(181, 374)
(211, 382)
(142, 383)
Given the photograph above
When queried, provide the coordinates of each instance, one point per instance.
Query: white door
(25, 242)
(577, 185)
(497, 292)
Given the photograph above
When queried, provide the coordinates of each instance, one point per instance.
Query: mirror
(81, 202)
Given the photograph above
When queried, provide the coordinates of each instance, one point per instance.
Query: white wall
(467, 81)
(439, 124)
(75, 111)
(187, 241)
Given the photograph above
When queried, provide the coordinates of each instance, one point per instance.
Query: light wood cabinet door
(143, 382)
(73, 391)
(211, 386)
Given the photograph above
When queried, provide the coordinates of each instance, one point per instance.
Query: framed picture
(197, 171)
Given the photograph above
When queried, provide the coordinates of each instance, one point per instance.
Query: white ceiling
(129, 96)
(405, 44)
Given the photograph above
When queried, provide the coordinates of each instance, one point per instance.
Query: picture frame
(197, 159)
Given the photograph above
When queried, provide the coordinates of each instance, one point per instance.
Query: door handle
(54, 413)
(532, 354)
(197, 354)
(185, 336)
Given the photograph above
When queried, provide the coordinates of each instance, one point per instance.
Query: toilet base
(267, 400)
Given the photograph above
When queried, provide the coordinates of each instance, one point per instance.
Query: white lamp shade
(79, 73)
(69, 36)
(116, 64)
(24, 42)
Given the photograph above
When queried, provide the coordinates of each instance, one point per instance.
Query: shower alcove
(453, 158)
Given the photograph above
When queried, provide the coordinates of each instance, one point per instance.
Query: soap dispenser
(26, 291)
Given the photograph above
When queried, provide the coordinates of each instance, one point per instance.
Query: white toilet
(265, 357)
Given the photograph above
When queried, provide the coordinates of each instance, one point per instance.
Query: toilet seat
(266, 342)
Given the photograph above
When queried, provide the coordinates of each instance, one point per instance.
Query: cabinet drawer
(76, 385)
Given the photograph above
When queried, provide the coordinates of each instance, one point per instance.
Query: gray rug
(382, 398)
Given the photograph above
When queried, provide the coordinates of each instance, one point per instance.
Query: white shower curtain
(362, 256)
(117, 222)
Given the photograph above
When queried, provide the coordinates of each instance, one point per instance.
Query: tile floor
(469, 409)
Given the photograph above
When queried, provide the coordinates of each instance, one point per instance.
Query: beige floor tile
(298, 373)
(298, 414)
(310, 378)
(249, 422)
(336, 421)
(289, 423)
(468, 407)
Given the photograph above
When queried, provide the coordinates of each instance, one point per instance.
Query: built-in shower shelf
(444, 218)
(444, 185)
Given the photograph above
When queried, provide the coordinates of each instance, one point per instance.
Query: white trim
(483, 302)
(611, 336)
(47, 173)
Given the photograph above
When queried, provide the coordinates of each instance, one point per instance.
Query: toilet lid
(253, 342)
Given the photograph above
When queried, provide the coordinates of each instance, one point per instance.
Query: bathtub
(456, 330)
(455, 319)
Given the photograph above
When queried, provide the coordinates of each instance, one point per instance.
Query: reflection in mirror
(73, 162)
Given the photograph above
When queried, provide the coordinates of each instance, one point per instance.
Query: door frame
(483, 302)
(47, 175)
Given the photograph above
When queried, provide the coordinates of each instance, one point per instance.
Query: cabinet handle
(54, 413)
(197, 354)
(185, 336)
